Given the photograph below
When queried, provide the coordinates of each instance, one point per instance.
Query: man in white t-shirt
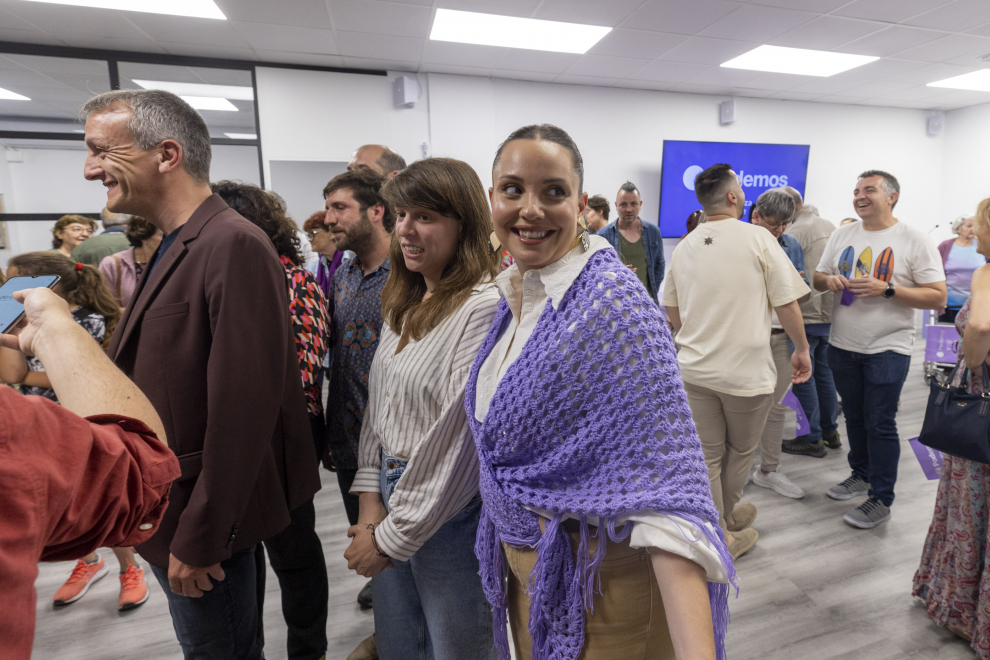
(725, 279)
(880, 271)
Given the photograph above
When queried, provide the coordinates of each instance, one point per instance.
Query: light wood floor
(812, 589)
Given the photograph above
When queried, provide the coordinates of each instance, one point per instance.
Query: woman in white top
(417, 472)
(566, 441)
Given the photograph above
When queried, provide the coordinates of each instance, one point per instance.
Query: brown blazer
(208, 339)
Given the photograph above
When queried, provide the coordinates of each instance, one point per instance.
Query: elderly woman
(328, 258)
(954, 577)
(123, 270)
(598, 536)
(960, 257)
(71, 230)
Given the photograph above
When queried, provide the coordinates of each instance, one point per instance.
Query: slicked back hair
(547, 133)
(711, 185)
(366, 187)
(157, 116)
(887, 180)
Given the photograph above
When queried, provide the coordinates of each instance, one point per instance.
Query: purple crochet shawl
(591, 420)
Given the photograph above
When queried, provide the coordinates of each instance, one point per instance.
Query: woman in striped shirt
(417, 466)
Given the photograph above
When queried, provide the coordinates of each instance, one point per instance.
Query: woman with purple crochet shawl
(598, 536)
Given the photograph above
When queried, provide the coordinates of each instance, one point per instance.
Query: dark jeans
(345, 478)
(817, 394)
(950, 315)
(223, 623)
(870, 386)
(296, 556)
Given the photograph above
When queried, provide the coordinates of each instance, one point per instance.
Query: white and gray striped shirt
(416, 413)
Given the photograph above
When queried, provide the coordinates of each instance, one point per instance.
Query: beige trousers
(629, 622)
(730, 428)
(773, 431)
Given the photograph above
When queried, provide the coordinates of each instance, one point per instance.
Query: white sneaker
(779, 482)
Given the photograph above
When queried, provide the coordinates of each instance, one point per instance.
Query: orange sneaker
(82, 578)
(133, 590)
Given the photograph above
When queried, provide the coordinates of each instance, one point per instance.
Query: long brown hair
(451, 188)
(85, 286)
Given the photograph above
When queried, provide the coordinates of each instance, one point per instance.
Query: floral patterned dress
(954, 577)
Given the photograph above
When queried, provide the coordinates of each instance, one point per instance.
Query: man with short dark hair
(725, 278)
(208, 338)
(880, 270)
(93, 250)
(596, 213)
(379, 158)
(639, 244)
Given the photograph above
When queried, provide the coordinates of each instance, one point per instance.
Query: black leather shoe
(801, 446)
(364, 597)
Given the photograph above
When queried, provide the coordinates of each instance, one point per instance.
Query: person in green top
(111, 241)
(639, 244)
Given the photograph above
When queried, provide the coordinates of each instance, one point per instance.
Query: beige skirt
(629, 622)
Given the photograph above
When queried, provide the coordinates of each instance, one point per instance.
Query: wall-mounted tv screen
(759, 166)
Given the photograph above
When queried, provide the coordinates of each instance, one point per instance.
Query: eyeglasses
(312, 234)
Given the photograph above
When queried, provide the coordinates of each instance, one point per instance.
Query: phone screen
(11, 311)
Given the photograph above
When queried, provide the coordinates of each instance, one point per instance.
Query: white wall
(621, 131)
(966, 165)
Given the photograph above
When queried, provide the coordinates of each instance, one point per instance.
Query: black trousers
(296, 556)
(345, 479)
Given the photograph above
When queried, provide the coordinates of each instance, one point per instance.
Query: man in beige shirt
(725, 278)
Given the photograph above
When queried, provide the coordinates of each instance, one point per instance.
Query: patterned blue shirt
(356, 315)
(794, 252)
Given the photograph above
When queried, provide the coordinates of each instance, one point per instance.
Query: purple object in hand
(941, 344)
(930, 459)
(848, 297)
(791, 401)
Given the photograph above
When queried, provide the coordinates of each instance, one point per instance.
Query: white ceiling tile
(890, 41)
(688, 88)
(589, 12)
(379, 46)
(622, 42)
(874, 89)
(840, 98)
(436, 67)
(955, 16)
(445, 52)
(678, 16)
(817, 6)
(373, 64)
(932, 73)
(795, 96)
(289, 57)
(756, 23)
(44, 64)
(30, 37)
(826, 32)
(11, 21)
(777, 81)
(304, 13)
(916, 93)
(716, 75)
(110, 43)
(654, 85)
(961, 96)
(947, 48)
(428, 3)
(668, 72)
(523, 8)
(705, 50)
(531, 76)
(594, 81)
(84, 21)
(536, 60)
(606, 67)
(288, 38)
(207, 50)
(880, 69)
(889, 11)
(751, 93)
(186, 30)
(831, 85)
(380, 17)
(983, 30)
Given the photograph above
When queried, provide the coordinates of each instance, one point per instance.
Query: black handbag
(956, 422)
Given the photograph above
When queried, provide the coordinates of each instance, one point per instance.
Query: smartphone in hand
(11, 311)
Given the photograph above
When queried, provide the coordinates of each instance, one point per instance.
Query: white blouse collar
(556, 278)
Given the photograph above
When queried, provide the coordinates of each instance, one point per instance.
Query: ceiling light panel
(234, 92)
(194, 8)
(242, 136)
(977, 81)
(210, 103)
(800, 61)
(468, 27)
(7, 95)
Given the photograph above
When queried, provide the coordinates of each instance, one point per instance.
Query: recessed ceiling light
(195, 8)
(800, 61)
(199, 89)
(468, 27)
(210, 103)
(242, 136)
(977, 81)
(7, 95)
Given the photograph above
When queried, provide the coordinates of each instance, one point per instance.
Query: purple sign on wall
(941, 344)
(791, 401)
(930, 459)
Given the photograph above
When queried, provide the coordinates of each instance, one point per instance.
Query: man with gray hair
(379, 158)
(639, 244)
(93, 250)
(208, 338)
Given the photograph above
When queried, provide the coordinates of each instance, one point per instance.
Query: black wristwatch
(888, 293)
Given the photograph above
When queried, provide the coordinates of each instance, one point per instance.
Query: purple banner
(930, 459)
(791, 401)
(847, 297)
(941, 344)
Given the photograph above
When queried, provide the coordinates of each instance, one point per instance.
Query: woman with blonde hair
(71, 230)
(417, 477)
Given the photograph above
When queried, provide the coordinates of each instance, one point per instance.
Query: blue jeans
(223, 622)
(870, 386)
(817, 394)
(432, 607)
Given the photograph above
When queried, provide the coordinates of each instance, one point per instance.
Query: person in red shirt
(87, 474)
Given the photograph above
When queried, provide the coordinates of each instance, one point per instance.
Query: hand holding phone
(12, 310)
